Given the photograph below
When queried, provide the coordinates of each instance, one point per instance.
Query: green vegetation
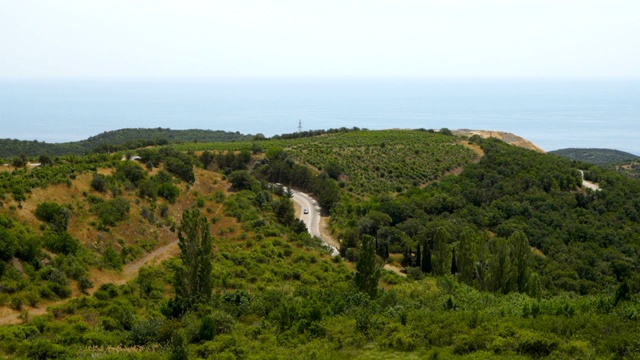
(374, 162)
(595, 156)
(505, 256)
(117, 140)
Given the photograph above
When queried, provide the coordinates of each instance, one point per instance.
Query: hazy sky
(429, 38)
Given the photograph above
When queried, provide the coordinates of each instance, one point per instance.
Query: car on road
(306, 211)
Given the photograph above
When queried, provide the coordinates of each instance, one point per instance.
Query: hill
(509, 138)
(630, 168)
(505, 254)
(111, 141)
(595, 156)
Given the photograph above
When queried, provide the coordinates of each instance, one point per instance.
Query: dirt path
(395, 269)
(10, 316)
(588, 184)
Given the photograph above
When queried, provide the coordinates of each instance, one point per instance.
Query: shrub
(99, 183)
(45, 349)
(111, 259)
(55, 214)
(537, 345)
(146, 331)
(8, 245)
(110, 212)
(62, 243)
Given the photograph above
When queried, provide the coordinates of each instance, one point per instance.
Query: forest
(450, 247)
(112, 141)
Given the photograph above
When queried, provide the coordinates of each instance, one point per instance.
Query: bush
(99, 183)
(62, 243)
(111, 259)
(7, 245)
(45, 349)
(537, 345)
(146, 331)
(110, 212)
(55, 214)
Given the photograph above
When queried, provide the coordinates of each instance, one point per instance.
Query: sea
(552, 113)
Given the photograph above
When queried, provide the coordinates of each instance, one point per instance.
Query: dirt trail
(10, 316)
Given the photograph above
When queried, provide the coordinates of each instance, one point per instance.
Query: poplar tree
(427, 266)
(454, 265)
(521, 256)
(441, 252)
(368, 270)
(193, 282)
(500, 266)
(482, 264)
(467, 255)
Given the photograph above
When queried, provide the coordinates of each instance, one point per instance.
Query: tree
(368, 270)
(180, 168)
(521, 256)
(241, 180)
(500, 266)
(333, 169)
(467, 254)
(193, 283)
(481, 266)
(56, 215)
(454, 265)
(427, 265)
(207, 158)
(441, 252)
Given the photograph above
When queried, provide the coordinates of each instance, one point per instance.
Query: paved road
(312, 219)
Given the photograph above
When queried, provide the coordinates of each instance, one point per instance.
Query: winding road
(312, 219)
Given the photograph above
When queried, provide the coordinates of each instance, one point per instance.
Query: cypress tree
(454, 265)
(419, 256)
(427, 266)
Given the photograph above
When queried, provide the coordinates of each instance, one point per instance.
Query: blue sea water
(553, 114)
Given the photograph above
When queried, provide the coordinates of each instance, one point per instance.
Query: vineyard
(374, 162)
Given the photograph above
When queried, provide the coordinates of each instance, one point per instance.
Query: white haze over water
(553, 114)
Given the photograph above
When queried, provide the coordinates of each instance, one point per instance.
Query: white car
(306, 211)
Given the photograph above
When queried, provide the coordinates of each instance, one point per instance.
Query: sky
(328, 38)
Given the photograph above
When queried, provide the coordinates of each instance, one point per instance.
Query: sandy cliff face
(509, 138)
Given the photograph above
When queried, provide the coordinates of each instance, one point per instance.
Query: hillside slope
(110, 141)
(595, 156)
(505, 254)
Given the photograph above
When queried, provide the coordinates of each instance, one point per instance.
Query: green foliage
(241, 180)
(182, 168)
(367, 268)
(131, 171)
(276, 295)
(117, 140)
(408, 159)
(99, 182)
(193, 282)
(441, 252)
(595, 156)
(55, 215)
(112, 211)
(111, 259)
(61, 243)
(467, 255)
